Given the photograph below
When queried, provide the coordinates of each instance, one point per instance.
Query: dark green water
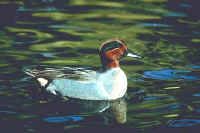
(163, 90)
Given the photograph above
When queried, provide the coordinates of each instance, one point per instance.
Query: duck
(86, 84)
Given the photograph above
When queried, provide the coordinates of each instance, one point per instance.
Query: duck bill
(133, 55)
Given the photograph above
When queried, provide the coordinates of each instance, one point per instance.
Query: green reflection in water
(98, 3)
(154, 1)
(26, 116)
(38, 33)
(72, 36)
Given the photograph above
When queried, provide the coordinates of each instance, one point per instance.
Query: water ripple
(194, 66)
(184, 123)
(151, 98)
(169, 74)
(8, 112)
(48, 54)
(60, 119)
(175, 14)
(154, 25)
(22, 9)
(196, 95)
(185, 5)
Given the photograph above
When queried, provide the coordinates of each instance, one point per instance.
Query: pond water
(163, 87)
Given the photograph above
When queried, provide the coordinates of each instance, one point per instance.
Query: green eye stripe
(112, 45)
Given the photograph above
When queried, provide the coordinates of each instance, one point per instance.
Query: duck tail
(30, 73)
(42, 81)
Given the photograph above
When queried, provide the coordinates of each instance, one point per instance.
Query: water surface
(163, 91)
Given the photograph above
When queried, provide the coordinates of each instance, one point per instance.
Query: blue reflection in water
(154, 25)
(7, 112)
(45, 1)
(168, 74)
(196, 95)
(70, 27)
(3, 87)
(21, 8)
(175, 14)
(151, 98)
(197, 110)
(186, 5)
(60, 119)
(193, 66)
(184, 123)
(174, 106)
(136, 79)
(47, 54)
(171, 107)
(196, 32)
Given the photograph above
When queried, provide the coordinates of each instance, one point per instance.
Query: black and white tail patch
(43, 82)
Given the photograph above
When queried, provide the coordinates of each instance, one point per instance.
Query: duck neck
(111, 65)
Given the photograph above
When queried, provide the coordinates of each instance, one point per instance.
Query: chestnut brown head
(111, 51)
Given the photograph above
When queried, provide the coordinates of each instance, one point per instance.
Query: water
(163, 91)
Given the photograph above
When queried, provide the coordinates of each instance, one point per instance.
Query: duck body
(88, 84)
(100, 86)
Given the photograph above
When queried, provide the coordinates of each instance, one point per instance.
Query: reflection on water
(163, 91)
(154, 25)
(60, 119)
(184, 123)
(169, 74)
(7, 112)
(197, 95)
(194, 66)
(175, 14)
(119, 109)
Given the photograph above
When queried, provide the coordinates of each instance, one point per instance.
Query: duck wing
(51, 73)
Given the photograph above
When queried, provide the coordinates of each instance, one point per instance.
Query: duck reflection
(119, 110)
(111, 111)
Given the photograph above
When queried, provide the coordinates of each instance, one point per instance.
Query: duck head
(111, 51)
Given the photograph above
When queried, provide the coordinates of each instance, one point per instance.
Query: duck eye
(125, 53)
